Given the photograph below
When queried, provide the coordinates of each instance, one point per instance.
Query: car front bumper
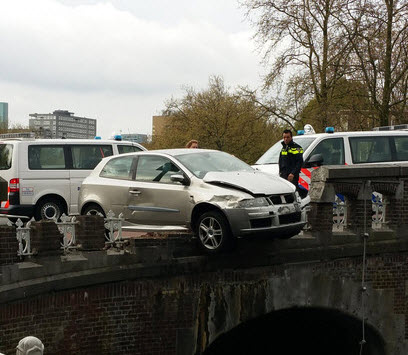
(270, 220)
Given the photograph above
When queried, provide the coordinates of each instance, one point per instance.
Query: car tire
(94, 209)
(49, 210)
(213, 233)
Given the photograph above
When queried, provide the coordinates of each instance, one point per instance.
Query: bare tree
(378, 32)
(219, 119)
(307, 37)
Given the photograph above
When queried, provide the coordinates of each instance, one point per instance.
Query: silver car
(212, 193)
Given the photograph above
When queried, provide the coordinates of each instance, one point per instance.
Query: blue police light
(300, 132)
(329, 130)
(97, 137)
(117, 137)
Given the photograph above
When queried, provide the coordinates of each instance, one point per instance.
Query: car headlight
(253, 202)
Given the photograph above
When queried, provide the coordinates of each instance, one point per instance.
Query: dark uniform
(290, 161)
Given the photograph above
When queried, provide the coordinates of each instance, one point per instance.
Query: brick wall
(121, 318)
(396, 212)
(149, 316)
(8, 245)
(45, 238)
(90, 232)
(359, 211)
(320, 217)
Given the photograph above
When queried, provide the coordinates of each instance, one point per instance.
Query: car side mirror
(179, 178)
(315, 160)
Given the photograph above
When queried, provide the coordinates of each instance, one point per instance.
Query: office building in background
(62, 124)
(3, 115)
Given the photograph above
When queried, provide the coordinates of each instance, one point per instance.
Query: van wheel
(49, 210)
(213, 233)
(94, 209)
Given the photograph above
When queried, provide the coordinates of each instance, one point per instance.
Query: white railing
(23, 237)
(67, 228)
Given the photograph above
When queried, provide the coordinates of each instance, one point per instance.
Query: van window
(332, 150)
(120, 168)
(6, 153)
(401, 148)
(370, 149)
(46, 157)
(272, 154)
(88, 156)
(122, 149)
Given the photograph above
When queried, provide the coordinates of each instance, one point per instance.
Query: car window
(153, 168)
(271, 156)
(370, 149)
(6, 153)
(88, 156)
(200, 163)
(46, 157)
(119, 168)
(122, 149)
(401, 148)
(332, 150)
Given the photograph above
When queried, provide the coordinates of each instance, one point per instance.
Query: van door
(44, 172)
(84, 158)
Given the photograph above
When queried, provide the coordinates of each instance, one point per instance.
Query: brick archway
(299, 330)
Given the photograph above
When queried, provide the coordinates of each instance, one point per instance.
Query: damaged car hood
(253, 182)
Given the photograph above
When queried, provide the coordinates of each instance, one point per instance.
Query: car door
(116, 184)
(154, 198)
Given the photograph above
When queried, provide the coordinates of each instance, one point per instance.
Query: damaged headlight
(253, 202)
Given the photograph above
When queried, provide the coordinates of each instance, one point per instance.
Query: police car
(383, 145)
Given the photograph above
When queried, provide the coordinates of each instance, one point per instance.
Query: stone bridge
(329, 291)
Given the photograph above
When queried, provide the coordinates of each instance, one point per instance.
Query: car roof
(180, 151)
(355, 133)
(66, 141)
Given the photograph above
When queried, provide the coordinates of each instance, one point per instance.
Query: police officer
(290, 158)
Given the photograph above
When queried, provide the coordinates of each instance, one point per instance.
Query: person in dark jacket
(290, 158)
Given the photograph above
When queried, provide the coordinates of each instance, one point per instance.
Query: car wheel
(213, 233)
(49, 210)
(94, 209)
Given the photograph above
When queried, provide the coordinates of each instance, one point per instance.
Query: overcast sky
(118, 60)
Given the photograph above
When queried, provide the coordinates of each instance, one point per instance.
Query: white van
(365, 147)
(44, 175)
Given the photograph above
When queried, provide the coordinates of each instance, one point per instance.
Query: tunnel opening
(316, 331)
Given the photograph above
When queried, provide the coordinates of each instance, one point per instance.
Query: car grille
(282, 199)
(261, 223)
(290, 218)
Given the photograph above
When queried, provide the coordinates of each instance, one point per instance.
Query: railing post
(359, 206)
(396, 216)
(23, 238)
(320, 216)
(67, 228)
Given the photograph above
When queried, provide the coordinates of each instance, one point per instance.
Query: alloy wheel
(210, 233)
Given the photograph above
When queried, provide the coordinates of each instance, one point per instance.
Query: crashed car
(211, 193)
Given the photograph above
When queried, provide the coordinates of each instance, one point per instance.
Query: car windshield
(271, 156)
(202, 163)
(6, 152)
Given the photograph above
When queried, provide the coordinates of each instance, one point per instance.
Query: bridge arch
(300, 330)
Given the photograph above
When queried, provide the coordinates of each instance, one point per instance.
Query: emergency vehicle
(382, 146)
(44, 175)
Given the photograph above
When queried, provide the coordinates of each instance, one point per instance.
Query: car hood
(253, 182)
